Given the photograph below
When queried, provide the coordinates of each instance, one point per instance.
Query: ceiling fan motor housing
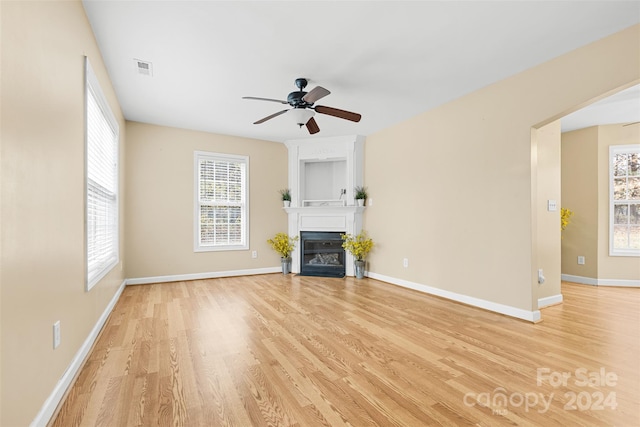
(295, 99)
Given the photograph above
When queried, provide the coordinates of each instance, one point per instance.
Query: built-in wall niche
(323, 180)
(320, 167)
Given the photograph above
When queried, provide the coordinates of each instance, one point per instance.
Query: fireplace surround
(322, 175)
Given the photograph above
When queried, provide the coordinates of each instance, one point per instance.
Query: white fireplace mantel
(341, 168)
(346, 219)
(324, 210)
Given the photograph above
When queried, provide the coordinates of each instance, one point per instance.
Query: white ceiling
(388, 60)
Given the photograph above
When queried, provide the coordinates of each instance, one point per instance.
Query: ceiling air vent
(143, 67)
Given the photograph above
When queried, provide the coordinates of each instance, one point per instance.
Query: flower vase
(359, 268)
(286, 203)
(360, 202)
(286, 265)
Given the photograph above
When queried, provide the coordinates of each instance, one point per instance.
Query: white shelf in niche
(325, 209)
(320, 203)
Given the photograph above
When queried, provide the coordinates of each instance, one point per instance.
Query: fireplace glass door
(321, 254)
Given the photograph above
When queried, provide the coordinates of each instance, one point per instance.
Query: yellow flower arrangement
(283, 244)
(565, 218)
(359, 246)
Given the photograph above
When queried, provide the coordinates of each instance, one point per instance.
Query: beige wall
(1, 110)
(585, 190)
(42, 199)
(160, 201)
(546, 141)
(580, 194)
(1, 198)
(458, 202)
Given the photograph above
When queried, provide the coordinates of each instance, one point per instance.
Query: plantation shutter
(101, 183)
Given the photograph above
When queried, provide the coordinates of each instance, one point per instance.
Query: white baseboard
(579, 279)
(547, 301)
(201, 276)
(531, 316)
(46, 412)
(48, 408)
(600, 282)
(52, 402)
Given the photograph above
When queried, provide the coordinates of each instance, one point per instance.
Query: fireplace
(321, 254)
(322, 175)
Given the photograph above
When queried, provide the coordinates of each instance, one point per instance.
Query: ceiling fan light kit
(303, 107)
(300, 115)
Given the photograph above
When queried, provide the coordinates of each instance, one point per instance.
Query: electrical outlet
(56, 334)
(254, 254)
(581, 260)
(369, 202)
(552, 205)
(405, 262)
(540, 276)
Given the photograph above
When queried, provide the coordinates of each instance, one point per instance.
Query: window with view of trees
(101, 182)
(221, 219)
(625, 200)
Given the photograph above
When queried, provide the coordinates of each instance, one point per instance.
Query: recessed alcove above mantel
(325, 169)
(323, 173)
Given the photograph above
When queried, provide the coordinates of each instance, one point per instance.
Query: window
(624, 217)
(221, 202)
(101, 208)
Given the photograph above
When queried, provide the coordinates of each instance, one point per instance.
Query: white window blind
(221, 202)
(624, 200)
(101, 183)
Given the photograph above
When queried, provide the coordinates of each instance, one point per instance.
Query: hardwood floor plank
(305, 386)
(276, 350)
(381, 399)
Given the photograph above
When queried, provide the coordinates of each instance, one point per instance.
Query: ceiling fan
(303, 107)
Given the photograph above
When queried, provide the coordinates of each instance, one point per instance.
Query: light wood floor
(279, 350)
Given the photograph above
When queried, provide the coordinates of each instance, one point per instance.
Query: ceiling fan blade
(315, 94)
(265, 99)
(347, 115)
(312, 126)
(270, 117)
